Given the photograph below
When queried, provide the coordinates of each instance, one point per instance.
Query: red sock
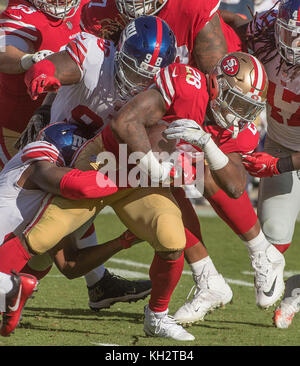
(38, 274)
(189, 216)
(238, 213)
(282, 247)
(191, 239)
(164, 276)
(13, 255)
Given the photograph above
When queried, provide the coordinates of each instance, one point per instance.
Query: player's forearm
(10, 60)
(231, 179)
(289, 163)
(84, 260)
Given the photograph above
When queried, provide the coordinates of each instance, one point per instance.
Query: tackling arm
(52, 72)
(263, 165)
(73, 262)
(69, 183)
(131, 122)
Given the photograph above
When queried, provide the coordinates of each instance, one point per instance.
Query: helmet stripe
(158, 42)
(259, 77)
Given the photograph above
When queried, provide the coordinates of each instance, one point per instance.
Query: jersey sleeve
(22, 21)
(245, 143)
(88, 51)
(205, 11)
(42, 150)
(184, 91)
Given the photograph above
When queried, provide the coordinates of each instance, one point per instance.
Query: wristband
(26, 61)
(76, 185)
(285, 164)
(215, 157)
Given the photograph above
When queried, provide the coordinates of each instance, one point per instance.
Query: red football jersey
(23, 20)
(193, 17)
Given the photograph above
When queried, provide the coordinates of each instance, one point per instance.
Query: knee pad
(170, 233)
(277, 231)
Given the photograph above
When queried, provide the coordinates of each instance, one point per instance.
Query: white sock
(6, 285)
(258, 244)
(95, 274)
(203, 266)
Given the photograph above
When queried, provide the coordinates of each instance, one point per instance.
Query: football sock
(282, 247)
(13, 255)
(202, 267)
(6, 283)
(238, 213)
(39, 274)
(259, 243)
(164, 275)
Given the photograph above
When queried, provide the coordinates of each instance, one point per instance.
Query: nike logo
(17, 303)
(263, 167)
(16, 16)
(173, 73)
(271, 291)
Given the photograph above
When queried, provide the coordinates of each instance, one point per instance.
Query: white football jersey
(94, 100)
(283, 104)
(18, 206)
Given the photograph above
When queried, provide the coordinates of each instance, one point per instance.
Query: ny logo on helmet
(230, 65)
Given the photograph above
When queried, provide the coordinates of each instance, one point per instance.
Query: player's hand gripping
(40, 78)
(38, 121)
(189, 131)
(261, 164)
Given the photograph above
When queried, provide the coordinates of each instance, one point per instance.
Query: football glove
(261, 164)
(38, 121)
(189, 131)
(40, 78)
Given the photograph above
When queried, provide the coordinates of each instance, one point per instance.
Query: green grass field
(59, 313)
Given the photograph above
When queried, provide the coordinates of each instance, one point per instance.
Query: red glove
(40, 79)
(261, 165)
(128, 239)
(183, 168)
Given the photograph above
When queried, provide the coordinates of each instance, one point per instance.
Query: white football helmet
(238, 87)
(60, 9)
(287, 31)
(135, 8)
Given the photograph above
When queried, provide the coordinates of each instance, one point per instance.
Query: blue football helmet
(66, 137)
(135, 8)
(287, 30)
(146, 45)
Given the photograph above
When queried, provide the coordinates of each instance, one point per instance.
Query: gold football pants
(152, 214)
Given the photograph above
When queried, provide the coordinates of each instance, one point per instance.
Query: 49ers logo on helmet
(230, 65)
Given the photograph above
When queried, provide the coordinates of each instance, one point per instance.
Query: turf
(59, 313)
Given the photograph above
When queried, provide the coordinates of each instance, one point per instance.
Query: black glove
(38, 121)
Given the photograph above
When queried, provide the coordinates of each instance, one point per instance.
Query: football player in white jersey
(274, 36)
(25, 181)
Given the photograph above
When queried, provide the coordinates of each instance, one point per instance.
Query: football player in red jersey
(102, 18)
(30, 31)
(177, 98)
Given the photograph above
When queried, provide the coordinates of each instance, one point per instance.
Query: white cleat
(211, 292)
(290, 305)
(163, 325)
(268, 277)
